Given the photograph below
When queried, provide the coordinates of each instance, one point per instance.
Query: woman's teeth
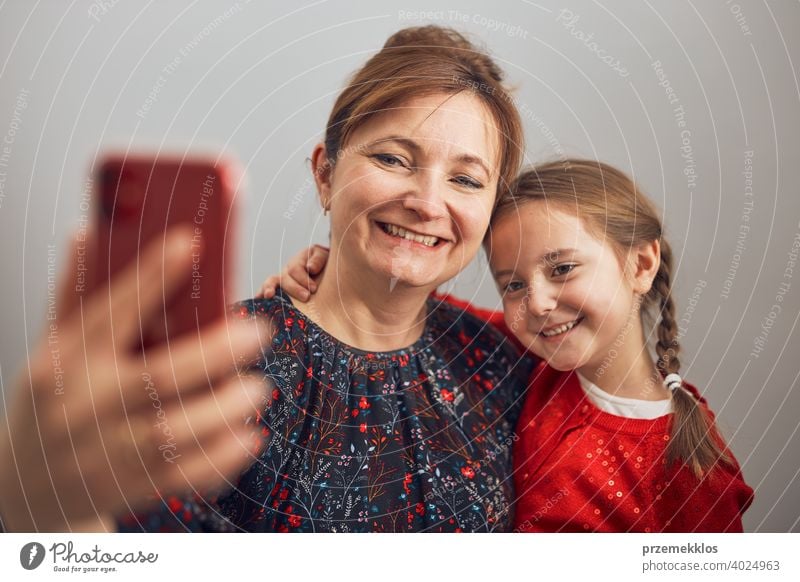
(428, 241)
(561, 329)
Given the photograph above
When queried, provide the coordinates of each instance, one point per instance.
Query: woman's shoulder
(277, 306)
(286, 320)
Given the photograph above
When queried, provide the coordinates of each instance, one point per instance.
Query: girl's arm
(493, 317)
(496, 318)
(715, 504)
(298, 278)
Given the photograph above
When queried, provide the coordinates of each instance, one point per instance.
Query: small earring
(325, 211)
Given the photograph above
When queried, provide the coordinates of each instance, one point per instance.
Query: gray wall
(259, 81)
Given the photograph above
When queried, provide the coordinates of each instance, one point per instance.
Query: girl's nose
(542, 299)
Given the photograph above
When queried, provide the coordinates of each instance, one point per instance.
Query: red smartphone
(137, 199)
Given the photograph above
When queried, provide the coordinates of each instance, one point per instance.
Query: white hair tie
(673, 382)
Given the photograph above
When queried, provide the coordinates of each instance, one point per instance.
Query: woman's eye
(468, 182)
(560, 270)
(389, 160)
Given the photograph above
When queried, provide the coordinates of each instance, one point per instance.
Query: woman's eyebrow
(474, 161)
(404, 141)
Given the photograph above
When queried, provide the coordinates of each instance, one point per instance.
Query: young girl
(610, 439)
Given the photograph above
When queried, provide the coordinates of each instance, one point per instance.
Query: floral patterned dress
(417, 439)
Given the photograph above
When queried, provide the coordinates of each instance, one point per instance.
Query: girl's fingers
(298, 274)
(268, 287)
(317, 259)
(294, 288)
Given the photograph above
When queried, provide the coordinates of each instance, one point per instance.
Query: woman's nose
(424, 197)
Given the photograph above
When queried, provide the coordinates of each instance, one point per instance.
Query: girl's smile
(559, 330)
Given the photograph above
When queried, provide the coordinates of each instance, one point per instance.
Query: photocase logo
(31, 555)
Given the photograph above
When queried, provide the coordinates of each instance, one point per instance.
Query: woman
(390, 412)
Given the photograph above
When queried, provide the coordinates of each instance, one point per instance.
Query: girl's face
(565, 295)
(412, 191)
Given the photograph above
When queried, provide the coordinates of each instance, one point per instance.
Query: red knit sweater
(578, 468)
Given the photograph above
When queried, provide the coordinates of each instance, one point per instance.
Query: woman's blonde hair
(613, 208)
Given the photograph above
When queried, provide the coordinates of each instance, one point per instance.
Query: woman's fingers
(106, 426)
(120, 460)
(216, 448)
(193, 363)
(71, 286)
(114, 314)
(228, 407)
(72, 282)
(214, 467)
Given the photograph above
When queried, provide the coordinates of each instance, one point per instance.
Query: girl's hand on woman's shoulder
(300, 275)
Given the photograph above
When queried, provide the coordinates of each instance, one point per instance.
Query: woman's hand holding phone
(114, 426)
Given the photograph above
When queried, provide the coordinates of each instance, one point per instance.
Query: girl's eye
(389, 160)
(560, 270)
(513, 286)
(468, 182)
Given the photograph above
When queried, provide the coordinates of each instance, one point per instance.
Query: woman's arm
(95, 428)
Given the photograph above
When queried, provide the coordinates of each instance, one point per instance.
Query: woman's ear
(646, 261)
(322, 168)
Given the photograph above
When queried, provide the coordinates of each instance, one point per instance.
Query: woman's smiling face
(413, 189)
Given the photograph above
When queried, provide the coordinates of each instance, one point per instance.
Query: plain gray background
(257, 80)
